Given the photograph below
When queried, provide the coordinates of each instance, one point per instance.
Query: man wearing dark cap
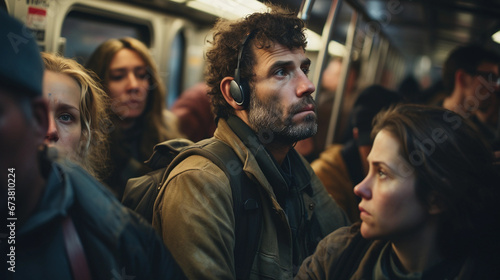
(58, 221)
(341, 167)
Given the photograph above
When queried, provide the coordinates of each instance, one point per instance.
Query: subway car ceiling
(406, 36)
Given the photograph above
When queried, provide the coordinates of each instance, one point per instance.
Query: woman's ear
(225, 87)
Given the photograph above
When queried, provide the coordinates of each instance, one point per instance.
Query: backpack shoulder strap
(246, 207)
(246, 199)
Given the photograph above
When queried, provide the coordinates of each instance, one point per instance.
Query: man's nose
(305, 86)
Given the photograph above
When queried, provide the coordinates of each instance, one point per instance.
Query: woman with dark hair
(130, 77)
(428, 205)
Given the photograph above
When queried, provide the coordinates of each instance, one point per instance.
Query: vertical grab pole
(325, 40)
(339, 93)
(305, 9)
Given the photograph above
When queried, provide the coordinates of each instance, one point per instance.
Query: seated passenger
(78, 119)
(341, 167)
(130, 77)
(428, 205)
(63, 223)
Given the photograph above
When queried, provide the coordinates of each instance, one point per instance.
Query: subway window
(176, 68)
(84, 32)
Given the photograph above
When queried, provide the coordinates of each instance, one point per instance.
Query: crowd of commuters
(409, 195)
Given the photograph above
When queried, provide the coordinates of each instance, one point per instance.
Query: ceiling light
(496, 37)
(229, 9)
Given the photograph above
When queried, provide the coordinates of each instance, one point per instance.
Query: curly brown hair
(279, 26)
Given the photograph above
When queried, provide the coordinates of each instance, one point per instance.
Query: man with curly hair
(261, 95)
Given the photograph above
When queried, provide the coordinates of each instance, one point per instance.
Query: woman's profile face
(63, 94)
(389, 206)
(128, 84)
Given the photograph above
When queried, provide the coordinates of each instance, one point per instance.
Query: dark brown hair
(453, 165)
(156, 129)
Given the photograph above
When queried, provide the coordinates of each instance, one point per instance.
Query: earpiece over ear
(239, 86)
(238, 93)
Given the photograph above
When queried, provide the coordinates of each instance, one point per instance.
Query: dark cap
(369, 102)
(21, 66)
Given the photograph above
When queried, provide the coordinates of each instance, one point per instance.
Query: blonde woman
(130, 78)
(79, 123)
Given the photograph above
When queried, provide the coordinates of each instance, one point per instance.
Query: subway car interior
(322, 169)
(389, 40)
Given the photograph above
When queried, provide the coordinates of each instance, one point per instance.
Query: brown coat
(194, 216)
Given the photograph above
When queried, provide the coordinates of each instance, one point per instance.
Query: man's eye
(305, 70)
(280, 72)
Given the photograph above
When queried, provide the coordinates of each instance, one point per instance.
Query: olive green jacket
(194, 216)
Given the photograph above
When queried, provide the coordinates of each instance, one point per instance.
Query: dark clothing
(377, 261)
(117, 243)
(126, 160)
(491, 135)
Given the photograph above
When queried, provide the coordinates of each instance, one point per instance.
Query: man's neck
(278, 151)
(453, 101)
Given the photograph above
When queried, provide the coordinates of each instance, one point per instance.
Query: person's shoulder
(96, 204)
(340, 239)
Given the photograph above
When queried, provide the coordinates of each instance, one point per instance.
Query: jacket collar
(57, 198)
(265, 161)
(70, 188)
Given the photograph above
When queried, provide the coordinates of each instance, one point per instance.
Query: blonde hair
(156, 127)
(93, 147)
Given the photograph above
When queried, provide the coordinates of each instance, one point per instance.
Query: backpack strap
(74, 249)
(246, 199)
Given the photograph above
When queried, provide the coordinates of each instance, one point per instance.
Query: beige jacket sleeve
(332, 172)
(193, 214)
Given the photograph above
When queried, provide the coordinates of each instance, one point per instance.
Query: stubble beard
(266, 118)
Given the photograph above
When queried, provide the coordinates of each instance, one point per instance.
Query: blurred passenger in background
(194, 112)
(130, 77)
(428, 205)
(78, 120)
(341, 167)
(471, 80)
(311, 147)
(410, 90)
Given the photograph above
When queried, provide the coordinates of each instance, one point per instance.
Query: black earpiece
(239, 86)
